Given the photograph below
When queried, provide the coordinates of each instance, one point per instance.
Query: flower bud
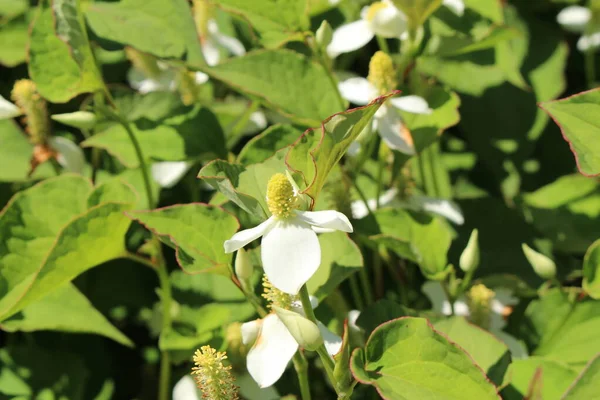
(306, 332)
(77, 119)
(543, 266)
(469, 259)
(243, 267)
(324, 34)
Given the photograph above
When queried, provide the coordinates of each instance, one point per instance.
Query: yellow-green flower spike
(281, 198)
(276, 297)
(144, 62)
(212, 377)
(374, 9)
(382, 73)
(27, 98)
(479, 299)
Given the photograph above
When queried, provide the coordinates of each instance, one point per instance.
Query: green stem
(139, 259)
(358, 301)
(142, 161)
(321, 351)
(301, 366)
(383, 46)
(239, 126)
(366, 286)
(378, 274)
(590, 69)
(448, 296)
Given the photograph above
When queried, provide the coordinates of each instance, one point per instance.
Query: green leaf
(112, 191)
(381, 312)
(65, 309)
(591, 271)
(277, 21)
(61, 62)
(586, 385)
(489, 353)
(341, 372)
(318, 151)
(48, 236)
(13, 42)
(191, 134)
(280, 79)
(417, 11)
(164, 28)
(566, 211)
(407, 359)
(262, 146)
(578, 120)
(554, 378)
(196, 231)
(340, 258)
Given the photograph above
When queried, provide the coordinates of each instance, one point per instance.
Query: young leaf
(591, 270)
(578, 118)
(195, 231)
(407, 358)
(61, 62)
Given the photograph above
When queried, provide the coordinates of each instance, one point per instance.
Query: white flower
(501, 301)
(168, 173)
(214, 40)
(381, 18)
(578, 19)
(290, 250)
(457, 6)
(185, 389)
(274, 346)
(445, 208)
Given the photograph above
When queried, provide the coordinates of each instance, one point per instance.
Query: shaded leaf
(263, 145)
(591, 270)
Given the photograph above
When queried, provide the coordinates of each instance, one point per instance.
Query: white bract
(499, 306)
(214, 40)
(274, 346)
(578, 19)
(290, 249)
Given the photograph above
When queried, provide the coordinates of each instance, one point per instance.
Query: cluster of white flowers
(578, 19)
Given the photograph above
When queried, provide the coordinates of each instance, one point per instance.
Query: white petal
(70, 156)
(461, 308)
(291, 254)
(350, 37)
(352, 318)
(359, 210)
(168, 173)
(354, 149)
(333, 343)
(244, 237)
(271, 353)
(210, 51)
(357, 90)
(250, 331)
(393, 131)
(257, 122)
(457, 6)
(574, 18)
(232, 45)
(589, 42)
(201, 77)
(389, 22)
(8, 109)
(185, 389)
(329, 219)
(445, 208)
(412, 104)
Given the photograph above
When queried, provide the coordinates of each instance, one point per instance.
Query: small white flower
(578, 19)
(70, 156)
(214, 40)
(290, 250)
(274, 346)
(381, 18)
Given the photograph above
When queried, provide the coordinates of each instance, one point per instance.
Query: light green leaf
(113, 191)
(585, 386)
(407, 359)
(277, 21)
(417, 11)
(164, 28)
(262, 146)
(340, 258)
(554, 378)
(591, 270)
(280, 79)
(579, 121)
(196, 231)
(61, 62)
(13, 8)
(191, 134)
(48, 236)
(13, 42)
(489, 353)
(318, 151)
(65, 309)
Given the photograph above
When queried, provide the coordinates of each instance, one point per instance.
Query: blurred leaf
(280, 79)
(579, 121)
(277, 21)
(164, 28)
(591, 270)
(585, 386)
(417, 11)
(262, 146)
(489, 353)
(15, 153)
(340, 258)
(318, 151)
(48, 237)
(197, 250)
(554, 378)
(13, 42)
(402, 356)
(112, 191)
(61, 62)
(12, 8)
(190, 134)
(65, 309)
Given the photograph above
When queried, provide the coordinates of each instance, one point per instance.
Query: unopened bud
(243, 266)
(78, 119)
(543, 266)
(469, 259)
(324, 34)
(305, 331)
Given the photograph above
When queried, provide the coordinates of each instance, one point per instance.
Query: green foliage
(591, 270)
